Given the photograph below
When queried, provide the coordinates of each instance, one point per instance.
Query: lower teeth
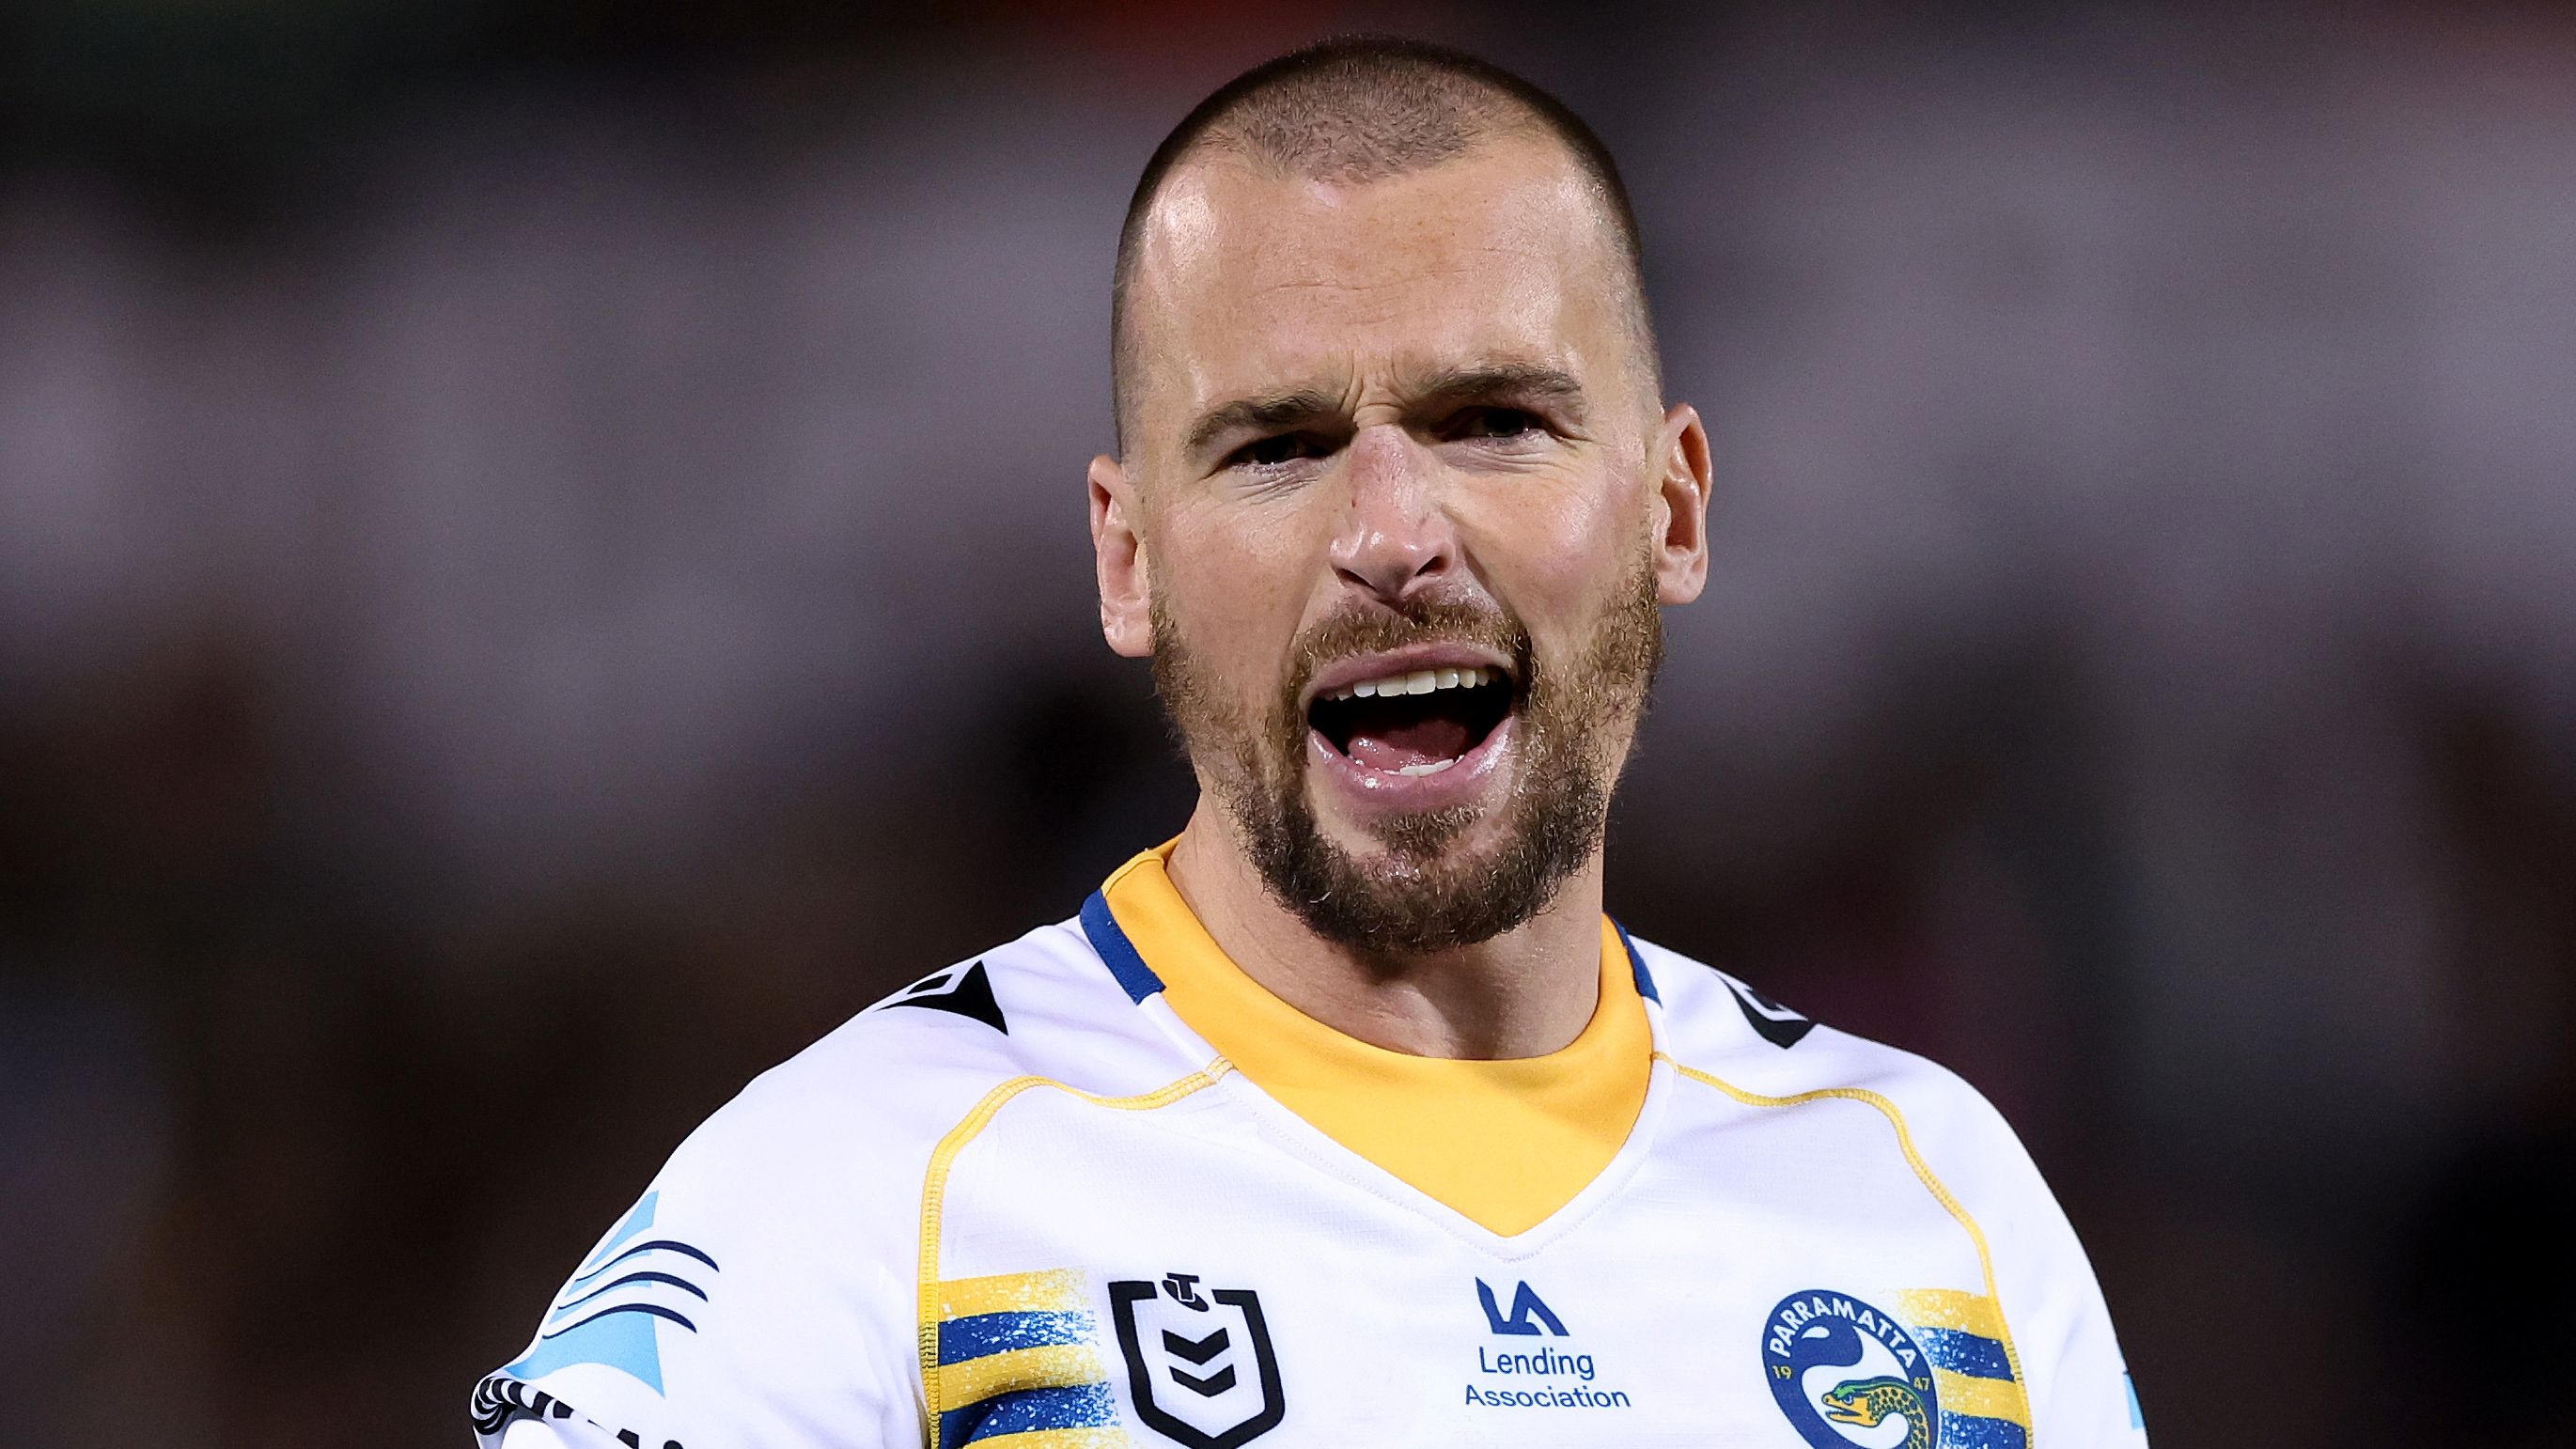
(1433, 768)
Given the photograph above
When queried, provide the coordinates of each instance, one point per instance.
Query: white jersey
(1026, 1204)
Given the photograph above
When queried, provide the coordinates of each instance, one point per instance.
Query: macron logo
(1528, 1312)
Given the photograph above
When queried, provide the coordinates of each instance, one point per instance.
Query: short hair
(1361, 108)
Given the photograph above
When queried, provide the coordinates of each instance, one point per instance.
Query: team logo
(1848, 1375)
(1199, 1364)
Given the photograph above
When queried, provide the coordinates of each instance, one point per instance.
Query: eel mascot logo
(1848, 1375)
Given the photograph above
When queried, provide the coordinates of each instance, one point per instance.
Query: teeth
(1420, 681)
(1433, 768)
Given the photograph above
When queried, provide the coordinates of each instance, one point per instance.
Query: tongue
(1421, 742)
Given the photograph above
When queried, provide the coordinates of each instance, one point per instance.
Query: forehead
(1247, 278)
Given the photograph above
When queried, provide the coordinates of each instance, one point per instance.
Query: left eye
(1492, 423)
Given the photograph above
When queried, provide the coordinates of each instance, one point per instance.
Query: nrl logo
(1199, 1364)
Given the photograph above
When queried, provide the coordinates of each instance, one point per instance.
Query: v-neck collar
(1505, 1144)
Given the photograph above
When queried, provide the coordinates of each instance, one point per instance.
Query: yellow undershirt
(1505, 1143)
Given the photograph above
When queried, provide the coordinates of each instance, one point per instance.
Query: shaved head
(1361, 109)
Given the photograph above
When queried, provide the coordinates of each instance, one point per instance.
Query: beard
(1423, 892)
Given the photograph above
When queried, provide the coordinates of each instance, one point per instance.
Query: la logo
(1528, 1312)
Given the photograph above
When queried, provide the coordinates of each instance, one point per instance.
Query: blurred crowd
(542, 567)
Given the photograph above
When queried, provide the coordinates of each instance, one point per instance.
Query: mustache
(1365, 629)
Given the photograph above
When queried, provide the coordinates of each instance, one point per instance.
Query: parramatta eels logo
(1848, 1375)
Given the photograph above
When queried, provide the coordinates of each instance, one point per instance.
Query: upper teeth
(1420, 681)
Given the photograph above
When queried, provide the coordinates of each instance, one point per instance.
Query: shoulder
(851, 1120)
(1734, 1037)
(767, 1271)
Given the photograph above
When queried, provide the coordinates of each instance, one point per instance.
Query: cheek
(1552, 554)
(1237, 589)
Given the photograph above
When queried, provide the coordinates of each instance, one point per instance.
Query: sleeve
(2076, 1383)
(742, 1303)
(556, 1434)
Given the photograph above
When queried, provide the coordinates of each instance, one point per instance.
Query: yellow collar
(1505, 1143)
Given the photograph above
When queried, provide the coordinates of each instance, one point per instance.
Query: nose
(1394, 538)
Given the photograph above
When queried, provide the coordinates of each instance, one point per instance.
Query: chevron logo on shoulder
(967, 993)
(1771, 1021)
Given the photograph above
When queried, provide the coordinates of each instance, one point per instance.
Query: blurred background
(542, 567)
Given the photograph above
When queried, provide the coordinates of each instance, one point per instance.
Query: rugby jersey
(1098, 1187)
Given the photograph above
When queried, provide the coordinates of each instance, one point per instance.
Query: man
(1347, 1117)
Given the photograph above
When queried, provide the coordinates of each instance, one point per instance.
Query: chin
(1424, 844)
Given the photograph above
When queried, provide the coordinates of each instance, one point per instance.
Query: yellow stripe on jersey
(938, 1393)
(1923, 1173)
(1950, 1308)
(1104, 1437)
(1054, 1290)
(1504, 1143)
(1971, 1313)
(1052, 1366)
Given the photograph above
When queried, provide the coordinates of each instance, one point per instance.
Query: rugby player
(1347, 1117)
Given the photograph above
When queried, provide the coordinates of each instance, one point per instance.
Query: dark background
(542, 566)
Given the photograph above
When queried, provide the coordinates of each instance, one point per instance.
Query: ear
(1118, 557)
(1680, 508)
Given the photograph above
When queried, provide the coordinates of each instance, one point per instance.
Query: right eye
(1276, 449)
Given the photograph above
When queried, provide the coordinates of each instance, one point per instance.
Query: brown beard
(1576, 723)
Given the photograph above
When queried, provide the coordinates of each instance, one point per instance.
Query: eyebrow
(1527, 381)
(1276, 411)
(1264, 413)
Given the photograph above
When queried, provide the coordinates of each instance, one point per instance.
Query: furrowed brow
(1504, 382)
(1268, 413)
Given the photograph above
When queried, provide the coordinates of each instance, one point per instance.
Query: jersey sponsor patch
(1534, 1376)
(1530, 1315)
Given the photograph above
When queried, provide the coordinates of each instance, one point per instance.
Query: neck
(1525, 993)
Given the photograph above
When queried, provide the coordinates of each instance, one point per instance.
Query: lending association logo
(1848, 1375)
(1542, 1375)
(1200, 1368)
(1530, 1315)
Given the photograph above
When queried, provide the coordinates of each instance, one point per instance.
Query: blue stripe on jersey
(683, 1284)
(986, 1333)
(1971, 1431)
(658, 1245)
(1973, 1354)
(1637, 963)
(620, 1340)
(1117, 950)
(1026, 1411)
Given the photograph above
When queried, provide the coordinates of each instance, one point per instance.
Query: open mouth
(1416, 723)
